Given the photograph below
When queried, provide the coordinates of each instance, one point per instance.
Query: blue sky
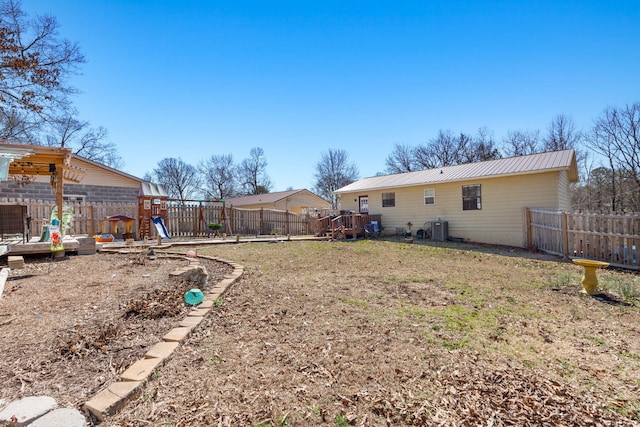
(190, 79)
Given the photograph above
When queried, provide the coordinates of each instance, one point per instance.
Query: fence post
(565, 235)
(260, 226)
(286, 224)
(528, 229)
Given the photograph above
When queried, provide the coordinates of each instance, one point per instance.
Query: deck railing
(351, 224)
(609, 238)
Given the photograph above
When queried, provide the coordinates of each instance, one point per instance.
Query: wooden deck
(345, 226)
(34, 247)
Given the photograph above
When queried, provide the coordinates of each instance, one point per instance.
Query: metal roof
(521, 165)
(269, 198)
(256, 199)
(152, 190)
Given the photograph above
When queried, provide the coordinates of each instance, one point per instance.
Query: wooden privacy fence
(609, 238)
(191, 221)
(181, 221)
(87, 219)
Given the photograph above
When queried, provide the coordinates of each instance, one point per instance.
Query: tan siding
(564, 191)
(101, 177)
(98, 176)
(499, 221)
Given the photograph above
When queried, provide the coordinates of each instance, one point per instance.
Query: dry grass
(377, 333)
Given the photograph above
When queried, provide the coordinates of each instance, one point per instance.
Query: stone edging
(117, 394)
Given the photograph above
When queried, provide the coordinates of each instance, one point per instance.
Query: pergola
(35, 160)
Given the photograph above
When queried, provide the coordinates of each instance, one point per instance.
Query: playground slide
(162, 230)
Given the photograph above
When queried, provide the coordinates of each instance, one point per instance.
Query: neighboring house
(295, 201)
(98, 183)
(479, 202)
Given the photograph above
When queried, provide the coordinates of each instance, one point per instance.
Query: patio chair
(372, 229)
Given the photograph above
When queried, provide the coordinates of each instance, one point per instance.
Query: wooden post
(260, 224)
(60, 192)
(528, 228)
(92, 226)
(286, 224)
(353, 225)
(565, 235)
(229, 219)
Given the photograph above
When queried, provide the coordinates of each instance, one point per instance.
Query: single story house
(478, 202)
(294, 201)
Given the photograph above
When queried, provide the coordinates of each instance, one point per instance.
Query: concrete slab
(62, 417)
(207, 303)
(191, 321)
(140, 370)
(15, 262)
(112, 399)
(177, 334)
(199, 312)
(27, 409)
(162, 350)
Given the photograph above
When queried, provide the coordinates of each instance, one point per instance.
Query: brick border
(112, 399)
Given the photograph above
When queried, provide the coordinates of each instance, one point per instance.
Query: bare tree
(443, 150)
(401, 159)
(252, 173)
(521, 143)
(334, 171)
(178, 178)
(90, 143)
(561, 134)
(34, 66)
(484, 146)
(446, 149)
(616, 136)
(218, 176)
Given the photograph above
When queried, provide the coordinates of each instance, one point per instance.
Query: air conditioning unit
(440, 230)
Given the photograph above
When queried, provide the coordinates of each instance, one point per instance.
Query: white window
(429, 196)
(364, 204)
(73, 198)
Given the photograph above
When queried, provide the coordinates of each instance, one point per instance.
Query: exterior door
(364, 204)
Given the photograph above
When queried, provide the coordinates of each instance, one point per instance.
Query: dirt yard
(366, 333)
(69, 327)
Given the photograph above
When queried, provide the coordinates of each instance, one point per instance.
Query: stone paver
(62, 417)
(207, 303)
(177, 334)
(199, 312)
(162, 350)
(141, 369)
(191, 321)
(110, 400)
(27, 409)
